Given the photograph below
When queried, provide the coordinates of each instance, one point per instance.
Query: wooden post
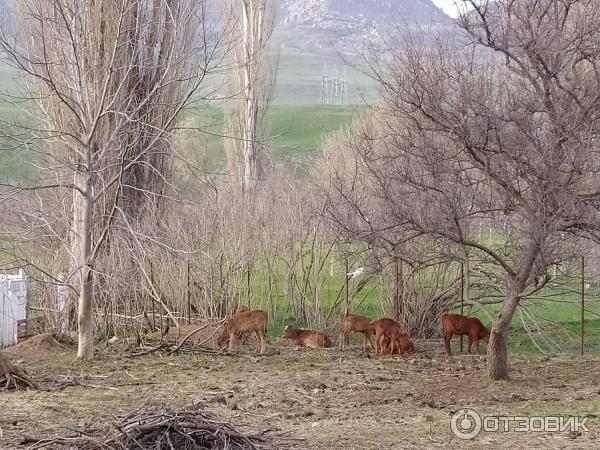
(332, 263)
(462, 296)
(582, 304)
(189, 297)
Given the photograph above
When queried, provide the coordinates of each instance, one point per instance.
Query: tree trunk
(83, 217)
(250, 144)
(497, 359)
(85, 348)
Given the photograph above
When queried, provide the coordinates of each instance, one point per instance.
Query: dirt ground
(316, 399)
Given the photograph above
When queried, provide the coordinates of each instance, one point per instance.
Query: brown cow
(463, 326)
(243, 336)
(400, 344)
(385, 331)
(359, 324)
(244, 323)
(306, 338)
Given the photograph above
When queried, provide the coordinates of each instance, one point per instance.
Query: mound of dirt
(37, 346)
(206, 337)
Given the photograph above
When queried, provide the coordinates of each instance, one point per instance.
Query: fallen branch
(66, 381)
(189, 335)
(161, 345)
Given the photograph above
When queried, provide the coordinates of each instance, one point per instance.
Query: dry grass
(323, 398)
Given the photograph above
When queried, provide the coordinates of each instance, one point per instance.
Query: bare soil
(320, 399)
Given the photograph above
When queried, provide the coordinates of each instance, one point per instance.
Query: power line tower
(324, 80)
(334, 88)
(344, 89)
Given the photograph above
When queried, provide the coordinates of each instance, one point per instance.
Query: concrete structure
(14, 301)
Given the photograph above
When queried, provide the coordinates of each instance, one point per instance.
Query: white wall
(14, 293)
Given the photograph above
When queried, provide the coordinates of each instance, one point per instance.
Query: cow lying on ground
(391, 338)
(463, 326)
(306, 338)
(244, 323)
(401, 345)
(358, 324)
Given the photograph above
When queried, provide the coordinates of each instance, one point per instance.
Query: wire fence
(563, 317)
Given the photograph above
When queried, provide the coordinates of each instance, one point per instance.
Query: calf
(463, 326)
(386, 330)
(242, 323)
(306, 338)
(400, 344)
(359, 324)
(243, 336)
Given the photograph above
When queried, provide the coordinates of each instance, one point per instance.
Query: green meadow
(296, 132)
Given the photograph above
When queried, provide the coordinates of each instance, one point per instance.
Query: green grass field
(296, 132)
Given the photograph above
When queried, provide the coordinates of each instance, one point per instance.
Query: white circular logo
(465, 424)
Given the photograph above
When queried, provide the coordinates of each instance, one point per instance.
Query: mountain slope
(346, 23)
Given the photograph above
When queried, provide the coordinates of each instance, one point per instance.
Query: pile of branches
(158, 427)
(12, 377)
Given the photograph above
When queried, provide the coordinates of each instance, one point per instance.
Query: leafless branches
(499, 126)
(107, 82)
(155, 427)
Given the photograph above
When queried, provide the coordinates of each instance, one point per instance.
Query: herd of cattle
(386, 336)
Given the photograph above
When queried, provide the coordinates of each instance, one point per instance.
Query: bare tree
(109, 80)
(499, 126)
(252, 84)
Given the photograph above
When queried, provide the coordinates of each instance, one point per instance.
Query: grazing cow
(359, 324)
(385, 331)
(241, 309)
(463, 326)
(243, 336)
(306, 338)
(245, 323)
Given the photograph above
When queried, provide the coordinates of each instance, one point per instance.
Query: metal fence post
(153, 300)
(397, 269)
(189, 298)
(582, 304)
(347, 267)
(462, 296)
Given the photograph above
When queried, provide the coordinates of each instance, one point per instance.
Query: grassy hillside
(301, 129)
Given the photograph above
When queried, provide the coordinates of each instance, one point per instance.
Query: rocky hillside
(348, 23)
